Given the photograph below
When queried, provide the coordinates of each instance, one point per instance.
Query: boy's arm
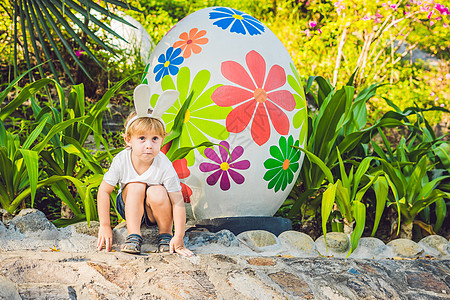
(179, 219)
(105, 234)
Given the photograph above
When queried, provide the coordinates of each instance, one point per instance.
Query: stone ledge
(116, 275)
(82, 238)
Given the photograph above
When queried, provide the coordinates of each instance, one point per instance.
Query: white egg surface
(247, 99)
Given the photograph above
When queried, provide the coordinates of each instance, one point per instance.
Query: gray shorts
(120, 205)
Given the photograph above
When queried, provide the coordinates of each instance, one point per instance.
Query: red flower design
(190, 42)
(182, 170)
(257, 99)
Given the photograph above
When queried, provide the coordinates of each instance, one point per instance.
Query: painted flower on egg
(283, 164)
(168, 63)
(190, 42)
(240, 22)
(300, 100)
(224, 166)
(200, 123)
(257, 98)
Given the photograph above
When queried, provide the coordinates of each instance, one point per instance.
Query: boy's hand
(105, 236)
(177, 245)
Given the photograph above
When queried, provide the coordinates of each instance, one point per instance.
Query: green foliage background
(315, 54)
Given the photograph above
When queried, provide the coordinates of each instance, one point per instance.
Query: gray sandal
(132, 244)
(164, 242)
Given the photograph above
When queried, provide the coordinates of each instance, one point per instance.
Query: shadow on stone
(236, 225)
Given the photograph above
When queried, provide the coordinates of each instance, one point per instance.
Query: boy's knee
(136, 186)
(157, 195)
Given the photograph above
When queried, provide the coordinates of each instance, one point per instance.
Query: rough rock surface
(115, 275)
(64, 264)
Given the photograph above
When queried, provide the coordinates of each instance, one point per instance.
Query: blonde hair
(144, 125)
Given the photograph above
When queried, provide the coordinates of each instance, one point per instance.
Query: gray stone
(32, 220)
(338, 244)
(405, 248)
(298, 244)
(84, 228)
(260, 241)
(202, 238)
(3, 229)
(434, 245)
(370, 247)
(8, 289)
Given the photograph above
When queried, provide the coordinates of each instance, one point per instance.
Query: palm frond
(44, 28)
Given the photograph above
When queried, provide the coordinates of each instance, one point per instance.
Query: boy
(149, 192)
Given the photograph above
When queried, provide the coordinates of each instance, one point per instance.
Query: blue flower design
(168, 63)
(239, 21)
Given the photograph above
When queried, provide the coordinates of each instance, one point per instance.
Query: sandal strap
(164, 238)
(134, 238)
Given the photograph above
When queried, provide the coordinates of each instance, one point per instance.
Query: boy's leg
(159, 208)
(133, 196)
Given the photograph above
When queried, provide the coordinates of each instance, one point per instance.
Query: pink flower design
(307, 33)
(447, 76)
(312, 23)
(78, 53)
(224, 165)
(366, 18)
(257, 97)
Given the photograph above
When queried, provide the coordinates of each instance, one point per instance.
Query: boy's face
(145, 145)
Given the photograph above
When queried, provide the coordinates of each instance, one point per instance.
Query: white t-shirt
(160, 172)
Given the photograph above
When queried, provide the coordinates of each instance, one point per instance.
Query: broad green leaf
(425, 202)
(55, 129)
(34, 134)
(441, 213)
(345, 181)
(343, 201)
(60, 189)
(81, 189)
(429, 187)
(381, 189)
(324, 88)
(31, 162)
(23, 96)
(179, 120)
(319, 163)
(397, 201)
(359, 212)
(443, 152)
(327, 205)
(360, 172)
(6, 91)
(415, 180)
(181, 153)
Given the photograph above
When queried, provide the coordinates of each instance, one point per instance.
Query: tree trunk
(348, 227)
(406, 231)
(339, 54)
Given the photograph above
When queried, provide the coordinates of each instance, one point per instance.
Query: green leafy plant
(58, 139)
(39, 23)
(19, 161)
(339, 124)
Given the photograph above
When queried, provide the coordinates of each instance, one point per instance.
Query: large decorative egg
(247, 100)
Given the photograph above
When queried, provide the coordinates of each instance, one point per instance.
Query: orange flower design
(190, 42)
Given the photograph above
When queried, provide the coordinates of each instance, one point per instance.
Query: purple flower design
(224, 165)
